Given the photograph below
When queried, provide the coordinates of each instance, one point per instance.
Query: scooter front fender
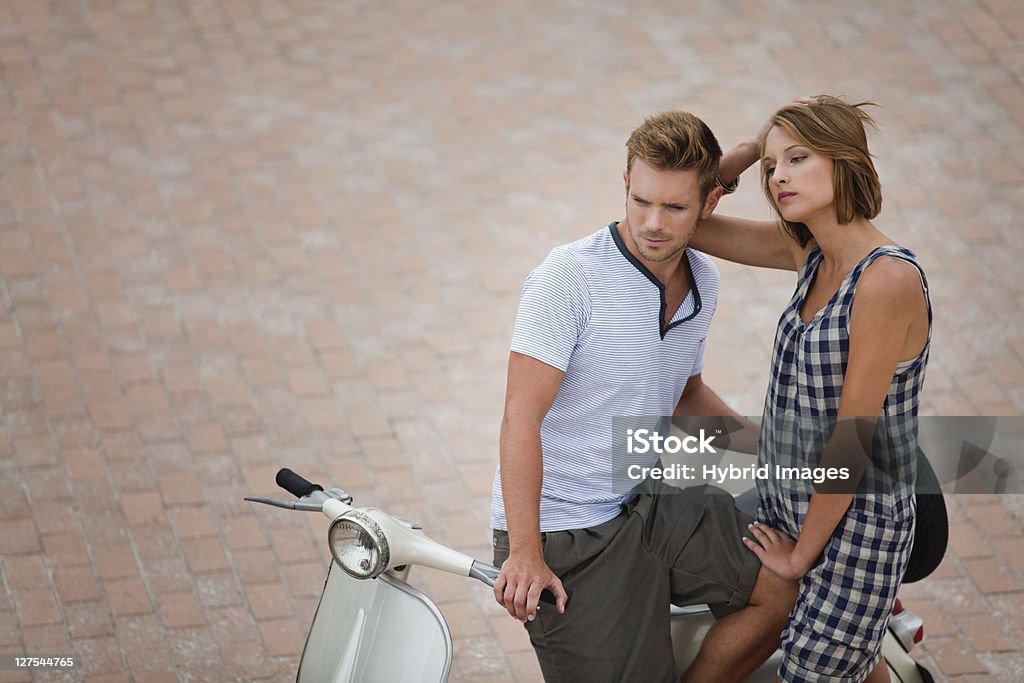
(375, 631)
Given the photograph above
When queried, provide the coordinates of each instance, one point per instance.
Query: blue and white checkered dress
(836, 629)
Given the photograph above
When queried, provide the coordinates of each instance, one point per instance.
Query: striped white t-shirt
(594, 311)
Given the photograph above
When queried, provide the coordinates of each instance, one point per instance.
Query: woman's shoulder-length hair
(835, 129)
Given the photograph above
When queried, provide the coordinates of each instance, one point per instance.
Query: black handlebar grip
(549, 597)
(294, 484)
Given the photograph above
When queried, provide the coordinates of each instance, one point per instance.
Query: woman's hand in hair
(762, 132)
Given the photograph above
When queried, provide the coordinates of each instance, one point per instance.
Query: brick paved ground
(240, 234)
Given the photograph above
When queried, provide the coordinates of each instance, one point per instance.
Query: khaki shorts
(668, 545)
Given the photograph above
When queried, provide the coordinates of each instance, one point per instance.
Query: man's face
(663, 209)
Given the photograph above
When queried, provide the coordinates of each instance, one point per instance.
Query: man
(608, 326)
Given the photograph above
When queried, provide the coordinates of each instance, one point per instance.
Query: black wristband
(731, 187)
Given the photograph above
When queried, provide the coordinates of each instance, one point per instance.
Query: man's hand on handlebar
(518, 587)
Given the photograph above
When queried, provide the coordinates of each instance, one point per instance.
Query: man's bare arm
(530, 391)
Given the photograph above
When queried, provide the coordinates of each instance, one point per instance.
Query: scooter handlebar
(488, 574)
(294, 484)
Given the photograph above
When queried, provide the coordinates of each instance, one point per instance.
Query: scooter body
(381, 629)
(385, 630)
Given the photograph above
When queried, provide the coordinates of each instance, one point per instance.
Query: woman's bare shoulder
(890, 282)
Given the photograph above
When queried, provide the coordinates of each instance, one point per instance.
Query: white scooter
(373, 627)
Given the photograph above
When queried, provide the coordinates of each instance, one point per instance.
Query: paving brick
(181, 377)
(115, 561)
(239, 420)
(262, 371)
(992, 576)
(255, 566)
(124, 446)
(35, 450)
(243, 532)
(954, 657)
(996, 520)
(206, 437)
(143, 508)
(246, 658)
(268, 600)
(103, 526)
(1012, 551)
(226, 391)
(193, 522)
(205, 554)
(510, 634)
(37, 607)
(65, 549)
(127, 596)
(59, 515)
(160, 325)
(153, 664)
(986, 634)
(88, 619)
(83, 463)
(25, 572)
(139, 632)
(219, 589)
(77, 584)
(108, 678)
(10, 634)
(155, 542)
(967, 542)
(231, 624)
(294, 352)
(524, 667)
(292, 544)
(147, 398)
(180, 488)
(308, 381)
(100, 655)
(282, 637)
(368, 421)
(46, 638)
(181, 610)
(111, 415)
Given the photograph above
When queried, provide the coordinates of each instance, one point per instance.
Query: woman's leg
(880, 674)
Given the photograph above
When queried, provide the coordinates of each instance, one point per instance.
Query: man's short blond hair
(677, 140)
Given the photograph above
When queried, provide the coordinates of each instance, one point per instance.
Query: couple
(614, 325)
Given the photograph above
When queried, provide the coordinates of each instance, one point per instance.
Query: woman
(853, 341)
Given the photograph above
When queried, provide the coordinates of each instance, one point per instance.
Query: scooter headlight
(358, 545)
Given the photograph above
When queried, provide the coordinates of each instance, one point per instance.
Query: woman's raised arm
(752, 243)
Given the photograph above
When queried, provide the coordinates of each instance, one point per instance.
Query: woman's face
(800, 179)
